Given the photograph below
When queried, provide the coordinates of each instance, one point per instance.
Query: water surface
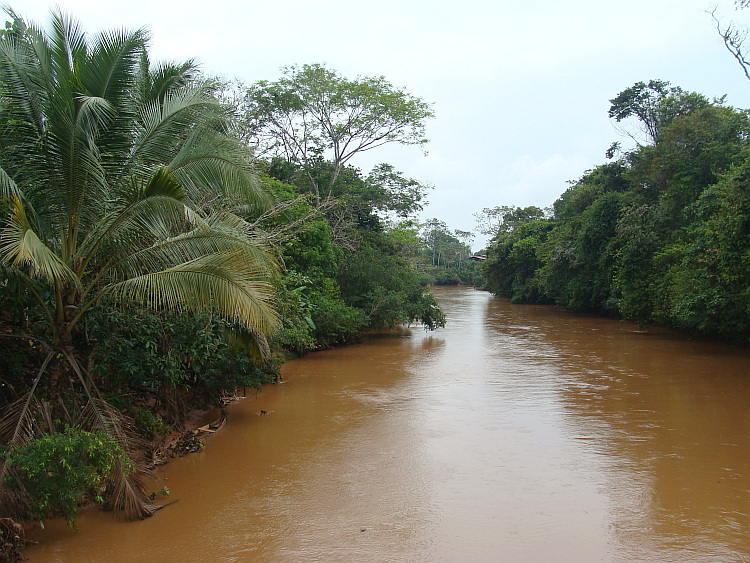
(517, 433)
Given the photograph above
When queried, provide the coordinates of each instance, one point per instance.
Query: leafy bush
(147, 424)
(57, 471)
(296, 330)
(379, 283)
(335, 322)
(147, 350)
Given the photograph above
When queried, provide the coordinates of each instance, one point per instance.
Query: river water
(517, 433)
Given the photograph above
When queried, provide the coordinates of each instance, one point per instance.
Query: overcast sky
(520, 89)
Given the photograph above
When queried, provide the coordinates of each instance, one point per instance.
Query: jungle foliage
(659, 235)
(343, 273)
(151, 263)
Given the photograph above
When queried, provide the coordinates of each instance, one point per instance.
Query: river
(517, 433)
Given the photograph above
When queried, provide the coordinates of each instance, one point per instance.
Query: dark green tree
(706, 285)
(381, 284)
(391, 192)
(654, 105)
(513, 258)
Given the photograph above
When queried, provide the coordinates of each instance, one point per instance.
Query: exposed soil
(12, 540)
(199, 425)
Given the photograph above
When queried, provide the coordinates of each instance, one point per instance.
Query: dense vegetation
(660, 234)
(123, 190)
(151, 263)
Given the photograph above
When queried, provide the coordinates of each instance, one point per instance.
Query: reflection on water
(517, 433)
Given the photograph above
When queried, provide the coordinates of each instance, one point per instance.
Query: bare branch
(734, 37)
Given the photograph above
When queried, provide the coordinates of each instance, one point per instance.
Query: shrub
(57, 471)
(152, 351)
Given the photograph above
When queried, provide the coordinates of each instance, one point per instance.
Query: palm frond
(162, 183)
(23, 83)
(21, 422)
(111, 69)
(191, 245)
(165, 78)
(224, 283)
(112, 73)
(93, 116)
(68, 42)
(163, 126)
(21, 247)
(142, 221)
(247, 338)
(8, 187)
(210, 164)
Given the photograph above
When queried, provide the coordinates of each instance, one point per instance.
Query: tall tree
(435, 233)
(654, 104)
(312, 112)
(111, 170)
(463, 251)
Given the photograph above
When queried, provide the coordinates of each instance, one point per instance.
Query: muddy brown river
(517, 433)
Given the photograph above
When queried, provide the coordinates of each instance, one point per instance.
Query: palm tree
(118, 181)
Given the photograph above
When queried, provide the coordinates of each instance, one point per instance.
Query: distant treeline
(659, 234)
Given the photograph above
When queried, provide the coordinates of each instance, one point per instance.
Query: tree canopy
(312, 112)
(660, 235)
(654, 104)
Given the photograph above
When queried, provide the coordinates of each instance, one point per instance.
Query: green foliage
(445, 248)
(610, 177)
(147, 424)
(706, 287)
(392, 192)
(473, 274)
(335, 321)
(404, 236)
(655, 105)
(447, 277)
(587, 281)
(639, 234)
(345, 271)
(378, 282)
(56, 472)
(312, 112)
(296, 327)
(312, 313)
(661, 235)
(689, 155)
(513, 259)
(149, 351)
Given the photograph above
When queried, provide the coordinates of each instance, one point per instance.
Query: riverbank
(198, 425)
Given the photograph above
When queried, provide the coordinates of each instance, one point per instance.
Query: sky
(520, 90)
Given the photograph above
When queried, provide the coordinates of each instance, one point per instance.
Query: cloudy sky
(520, 89)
